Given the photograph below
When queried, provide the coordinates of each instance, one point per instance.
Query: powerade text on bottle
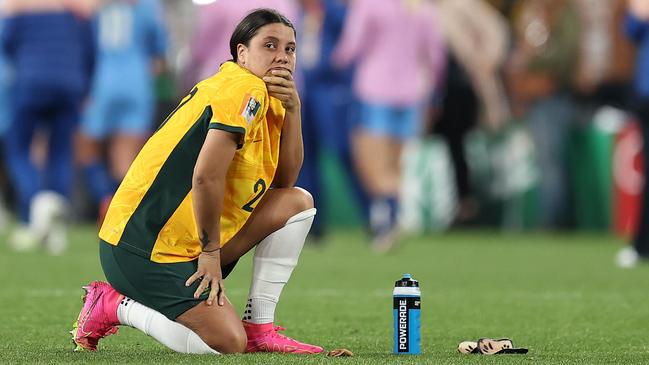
(407, 304)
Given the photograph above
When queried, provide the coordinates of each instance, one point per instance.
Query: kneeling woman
(198, 197)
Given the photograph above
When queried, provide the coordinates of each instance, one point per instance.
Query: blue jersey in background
(49, 49)
(130, 34)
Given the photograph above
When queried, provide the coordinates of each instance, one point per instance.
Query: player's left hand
(209, 274)
(281, 85)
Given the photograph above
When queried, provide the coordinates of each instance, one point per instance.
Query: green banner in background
(504, 176)
(428, 194)
(589, 161)
(341, 208)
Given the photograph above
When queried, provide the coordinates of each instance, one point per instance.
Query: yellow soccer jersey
(152, 213)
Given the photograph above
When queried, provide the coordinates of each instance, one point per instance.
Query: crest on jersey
(250, 108)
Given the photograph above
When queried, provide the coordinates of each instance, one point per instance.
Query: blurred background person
(49, 44)
(215, 22)
(399, 55)
(4, 124)
(131, 48)
(637, 29)
(542, 69)
(328, 108)
(473, 94)
(606, 58)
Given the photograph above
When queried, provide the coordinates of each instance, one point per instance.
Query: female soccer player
(198, 197)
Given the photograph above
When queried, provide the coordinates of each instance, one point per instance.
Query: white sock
(169, 333)
(275, 258)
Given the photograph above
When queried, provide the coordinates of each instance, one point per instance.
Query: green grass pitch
(559, 295)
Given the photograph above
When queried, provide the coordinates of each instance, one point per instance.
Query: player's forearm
(291, 151)
(207, 198)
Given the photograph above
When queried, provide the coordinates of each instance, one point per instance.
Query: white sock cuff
(306, 214)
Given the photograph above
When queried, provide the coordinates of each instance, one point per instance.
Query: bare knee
(297, 200)
(284, 203)
(234, 342)
(303, 199)
(218, 326)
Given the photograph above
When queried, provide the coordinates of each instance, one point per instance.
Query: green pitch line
(558, 295)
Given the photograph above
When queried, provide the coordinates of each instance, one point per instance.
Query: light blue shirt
(130, 34)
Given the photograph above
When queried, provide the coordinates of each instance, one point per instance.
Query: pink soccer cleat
(98, 317)
(266, 338)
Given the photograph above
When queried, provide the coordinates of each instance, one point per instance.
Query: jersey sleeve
(236, 110)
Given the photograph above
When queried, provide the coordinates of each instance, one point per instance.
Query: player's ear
(242, 54)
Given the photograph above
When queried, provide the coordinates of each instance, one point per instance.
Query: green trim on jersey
(228, 128)
(168, 190)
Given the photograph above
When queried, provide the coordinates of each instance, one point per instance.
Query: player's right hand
(210, 276)
(280, 85)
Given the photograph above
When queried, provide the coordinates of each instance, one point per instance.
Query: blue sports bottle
(406, 307)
